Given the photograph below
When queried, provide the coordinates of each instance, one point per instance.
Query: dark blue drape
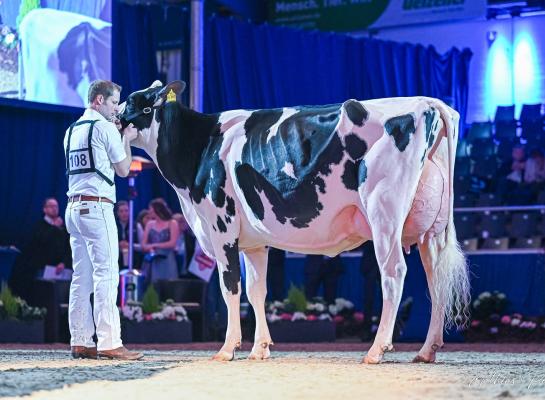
(31, 163)
(135, 68)
(133, 53)
(263, 66)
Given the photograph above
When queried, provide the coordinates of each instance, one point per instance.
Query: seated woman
(159, 241)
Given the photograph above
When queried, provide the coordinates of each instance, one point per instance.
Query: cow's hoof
(372, 359)
(226, 355)
(423, 359)
(260, 351)
(223, 356)
(425, 356)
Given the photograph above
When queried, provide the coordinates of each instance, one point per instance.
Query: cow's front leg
(229, 272)
(256, 289)
(389, 253)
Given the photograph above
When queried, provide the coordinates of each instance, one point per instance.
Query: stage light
(526, 70)
(499, 75)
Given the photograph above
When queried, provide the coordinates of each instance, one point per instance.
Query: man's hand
(58, 222)
(123, 244)
(130, 132)
(59, 269)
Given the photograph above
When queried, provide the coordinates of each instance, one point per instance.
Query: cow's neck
(183, 136)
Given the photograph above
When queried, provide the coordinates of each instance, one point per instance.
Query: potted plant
(19, 322)
(297, 320)
(154, 322)
(490, 323)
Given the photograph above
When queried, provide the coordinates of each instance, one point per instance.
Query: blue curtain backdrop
(246, 66)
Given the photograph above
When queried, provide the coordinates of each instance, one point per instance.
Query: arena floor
(309, 371)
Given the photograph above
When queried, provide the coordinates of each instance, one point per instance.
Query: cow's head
(141, 109)
(141, 106)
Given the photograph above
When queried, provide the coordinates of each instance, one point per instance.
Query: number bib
(81, 161)
(78, 160)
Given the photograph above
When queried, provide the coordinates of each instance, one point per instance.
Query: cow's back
(296, 171)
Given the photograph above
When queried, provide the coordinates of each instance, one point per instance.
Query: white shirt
(107, 149)
(534, 171)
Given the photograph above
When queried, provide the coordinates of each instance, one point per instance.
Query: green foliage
(150, 302)
(26, 7)
(488, 304)
(296, 297)
(9, 302)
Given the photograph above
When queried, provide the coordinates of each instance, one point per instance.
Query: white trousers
(95, 252)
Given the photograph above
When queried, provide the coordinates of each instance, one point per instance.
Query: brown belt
(82, 197)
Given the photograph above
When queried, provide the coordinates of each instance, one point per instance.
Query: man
(95, 152)
(322, 270)
(49, 245)
(276, 267)
(122, 221)
(371, 281)
(181, 254)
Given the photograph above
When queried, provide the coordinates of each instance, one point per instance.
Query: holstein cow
(314, 180)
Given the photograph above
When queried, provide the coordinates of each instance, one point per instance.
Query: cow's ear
(156, 83)
(170, 92)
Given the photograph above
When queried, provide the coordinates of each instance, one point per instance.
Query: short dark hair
(141, 215)
(122, 203)
(105, 88)
(47, 199)
(161, 209)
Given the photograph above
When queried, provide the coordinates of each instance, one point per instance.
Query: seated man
(512, 188)
(49, 245)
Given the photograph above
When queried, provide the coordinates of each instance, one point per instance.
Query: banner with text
(353, 15)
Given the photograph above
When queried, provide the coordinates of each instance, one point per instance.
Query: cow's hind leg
(448, 282)
(256, 289)
(392, 270)
(434, 339)
(229, 272)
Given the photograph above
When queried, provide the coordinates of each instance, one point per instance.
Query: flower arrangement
(8, 37)
(15, 308)
(151, 309)
(296, 308)
(489, 322)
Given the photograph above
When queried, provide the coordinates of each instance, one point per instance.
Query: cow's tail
(450, 272)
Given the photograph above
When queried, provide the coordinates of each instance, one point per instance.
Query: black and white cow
(315, 180)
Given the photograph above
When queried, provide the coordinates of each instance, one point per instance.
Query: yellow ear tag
(171, 96)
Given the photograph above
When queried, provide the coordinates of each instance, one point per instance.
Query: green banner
(353, 15)
(327, 15)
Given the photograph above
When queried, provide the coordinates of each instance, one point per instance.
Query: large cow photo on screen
(51, 50)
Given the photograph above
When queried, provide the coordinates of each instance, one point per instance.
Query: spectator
(49, 245)
(275, 274)
(512, 188)
(371, 281)
(181, 254)
(321, 270)
(122, 221)
(159, 242)
(141, 221)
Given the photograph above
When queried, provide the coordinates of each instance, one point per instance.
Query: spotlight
(491, 37)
